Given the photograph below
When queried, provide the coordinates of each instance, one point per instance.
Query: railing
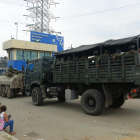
(121, 69)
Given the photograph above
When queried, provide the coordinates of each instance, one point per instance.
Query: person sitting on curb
(4, 121)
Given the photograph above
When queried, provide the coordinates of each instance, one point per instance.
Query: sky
(81, 22)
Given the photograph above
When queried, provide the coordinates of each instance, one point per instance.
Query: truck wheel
(61, 98)
(117, 102)
(10, 93)
(92, 102)
(37, 96)
(3, 91)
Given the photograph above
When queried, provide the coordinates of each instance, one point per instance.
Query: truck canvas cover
(111, 42)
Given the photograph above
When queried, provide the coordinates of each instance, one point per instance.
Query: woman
(4, 121)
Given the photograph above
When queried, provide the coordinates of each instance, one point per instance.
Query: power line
(13, 22)
(101, 11)
(67, 1)
(11, 13)
(64, 18)
(101, 23)
(108, 26)
(77, 15)
(12, 3)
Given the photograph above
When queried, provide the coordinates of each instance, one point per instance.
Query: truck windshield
(30, 67)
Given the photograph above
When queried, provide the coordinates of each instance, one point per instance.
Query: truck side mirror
(23, 67)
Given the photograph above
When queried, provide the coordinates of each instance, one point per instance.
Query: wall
(27, 45)
(16, 64)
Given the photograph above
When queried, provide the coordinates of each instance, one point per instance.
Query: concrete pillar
(37, 54)
(15, 55)
(8, 55)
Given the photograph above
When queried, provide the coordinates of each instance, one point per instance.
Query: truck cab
(38, 72)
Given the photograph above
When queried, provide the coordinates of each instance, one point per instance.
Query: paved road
(67, 121)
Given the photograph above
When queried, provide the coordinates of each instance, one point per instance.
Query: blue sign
(48, 39)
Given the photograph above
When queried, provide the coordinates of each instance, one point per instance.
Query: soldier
(10, 69)
(131, 49)
(20, 71)
(106, 54)
(69, 59)
(15, 71)
(117, 54)
(96, 53)
(76, 58)
(60, 62)
(85, 57)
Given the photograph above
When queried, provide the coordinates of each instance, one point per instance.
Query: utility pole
(16, 30)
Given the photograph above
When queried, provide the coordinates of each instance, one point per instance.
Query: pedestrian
(4, 121)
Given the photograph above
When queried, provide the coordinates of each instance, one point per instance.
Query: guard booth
(20, 51)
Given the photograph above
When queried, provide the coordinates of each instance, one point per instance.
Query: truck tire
(117, 102)
(37, 98)
(61, 98)
(92, 102)
(10, 93)
(3, 91)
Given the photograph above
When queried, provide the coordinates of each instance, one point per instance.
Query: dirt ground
(67, 121)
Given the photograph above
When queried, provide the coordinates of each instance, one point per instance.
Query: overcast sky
(81, 21)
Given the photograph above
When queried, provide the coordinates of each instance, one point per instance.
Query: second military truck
(102, 81)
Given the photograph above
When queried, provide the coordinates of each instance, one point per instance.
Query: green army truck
(108, 84)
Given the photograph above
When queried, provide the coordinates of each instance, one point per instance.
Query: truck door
(29, 76)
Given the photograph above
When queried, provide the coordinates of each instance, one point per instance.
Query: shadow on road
(17, 96)
(120, 112)
(68, 105)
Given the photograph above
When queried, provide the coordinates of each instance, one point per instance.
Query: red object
(135, 90)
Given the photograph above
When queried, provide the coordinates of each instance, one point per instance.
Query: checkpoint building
(40, 45)
(24, 50)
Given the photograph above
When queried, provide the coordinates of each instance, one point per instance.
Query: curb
(6, 136)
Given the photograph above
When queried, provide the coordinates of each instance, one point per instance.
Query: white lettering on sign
(39, 34)
(53, 40)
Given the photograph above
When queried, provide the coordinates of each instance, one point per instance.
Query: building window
(44, 54)
(48, 54)
(34, 55)
(27, 55)
(19, 55)
(11, 55)
(41, 55)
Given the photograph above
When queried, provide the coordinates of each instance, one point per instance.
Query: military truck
(11, 83)
(107, 84)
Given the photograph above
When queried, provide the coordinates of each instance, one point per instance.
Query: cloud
(88, 29)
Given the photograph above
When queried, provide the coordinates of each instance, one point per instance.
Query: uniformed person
(131, 49)
(60, 62)
(106, 54)
(15, 71)
(76, 58)
(96, 55)
(85, 57)
(117, 54)
(10, 69)
(69, 59)
(20, 71)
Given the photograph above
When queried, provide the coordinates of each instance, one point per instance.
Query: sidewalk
(6, 136)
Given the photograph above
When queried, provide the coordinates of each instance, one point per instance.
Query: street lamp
(17, 29)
